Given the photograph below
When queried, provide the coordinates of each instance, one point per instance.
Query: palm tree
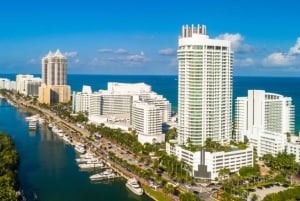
(254, 197)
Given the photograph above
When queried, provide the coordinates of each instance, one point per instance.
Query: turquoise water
(48, 166)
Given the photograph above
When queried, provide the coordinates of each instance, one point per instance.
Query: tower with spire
(54, 69)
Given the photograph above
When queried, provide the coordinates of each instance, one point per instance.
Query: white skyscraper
(264, 111)
(205, 87)
(54, 69)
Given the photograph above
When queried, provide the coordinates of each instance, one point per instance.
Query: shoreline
(80, 136)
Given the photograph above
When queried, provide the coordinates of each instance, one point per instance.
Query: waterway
(48, 168)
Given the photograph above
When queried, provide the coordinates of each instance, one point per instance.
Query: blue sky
(140, 37)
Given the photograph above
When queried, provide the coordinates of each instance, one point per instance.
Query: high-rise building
(54, 69)
(147, 121)
(204, 87)
(263, 111)
(264, 119)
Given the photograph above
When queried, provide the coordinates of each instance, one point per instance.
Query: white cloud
(236, 42)
(127, 59)
(243, 62)
(71, 54)
(292, 57)
(121, 51)
(76, 61)
(32, 61)
(296, 48)
(104, 50)
(278, 59)
(167, 51)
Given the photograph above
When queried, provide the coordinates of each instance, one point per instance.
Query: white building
(6, 84)
(20, 82)
(81, 100)
(293, 147)
(147, 121)
(206, 165)
(32, 86)
(28, 85)
(264, 119)
(204, 87)
(54, 69)
(118, 99)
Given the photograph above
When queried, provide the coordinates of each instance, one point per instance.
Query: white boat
(33, 118)
(67, 139)
(60, 133)
(91, 165)
(50, 126)
(88, 160)
(32, 125)
(107, 174)
(133, 185)
(56, 130)
(87, 155)
(79, 148)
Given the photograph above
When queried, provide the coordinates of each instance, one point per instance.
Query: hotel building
(204, 102)
(7, 84)
(54, 78)
(54, 69)
(206, 165)
(28, 85)
(264, 119)
(121, 103)
(81, 100)
(204, 87)
(54, 94)
(147, 121)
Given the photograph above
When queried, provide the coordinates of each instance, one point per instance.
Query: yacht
(32, 125)
(87, 155)
(33, 118)
(91, 165)
(80, 148)
(107, 174)
(67, 139)
(87, 160)
(133, 185)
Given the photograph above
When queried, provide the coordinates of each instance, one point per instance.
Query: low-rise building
(293, 147)
(49, 94)
(206, 165)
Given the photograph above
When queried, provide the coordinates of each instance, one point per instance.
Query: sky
(141, 37)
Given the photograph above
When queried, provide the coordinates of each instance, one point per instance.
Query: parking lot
(265, 191)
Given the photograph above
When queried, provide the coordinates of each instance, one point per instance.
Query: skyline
(135, 37)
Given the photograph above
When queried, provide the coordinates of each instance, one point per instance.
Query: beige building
(54, 94)
(54, 69)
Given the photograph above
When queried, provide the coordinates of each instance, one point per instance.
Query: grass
(156, 195)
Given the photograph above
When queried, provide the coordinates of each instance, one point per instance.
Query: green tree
(188, 196)
(9, 162)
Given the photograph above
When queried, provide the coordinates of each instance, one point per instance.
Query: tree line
(9, 163)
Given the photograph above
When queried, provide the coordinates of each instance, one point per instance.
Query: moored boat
(133, 185)
(91, 165)
(107, 174)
